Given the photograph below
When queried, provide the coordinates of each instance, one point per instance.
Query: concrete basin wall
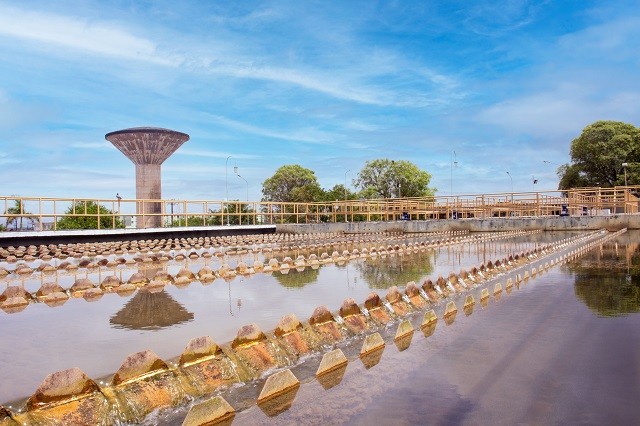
(106, 235)
(550, 223)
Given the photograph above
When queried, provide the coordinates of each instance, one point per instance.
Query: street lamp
(226, 183)
(624, 166)
(454, 162)
(345, 183)
(235, 170)
(172, 203)
(345, 195)
(511, 183)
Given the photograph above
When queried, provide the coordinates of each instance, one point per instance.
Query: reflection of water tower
(150, 311)
(147, 147)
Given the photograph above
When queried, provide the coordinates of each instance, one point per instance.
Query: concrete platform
(106, 235)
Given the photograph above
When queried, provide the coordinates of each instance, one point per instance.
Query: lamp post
(345, 195)
(454, 162)
(624, 166)
(345, 183)
(172, 203)
(511, 190)
(119, 199)
(235, 170)
(226, 184)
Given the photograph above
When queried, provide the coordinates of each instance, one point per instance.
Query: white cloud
(252, 19)
(91, 145)
(332, 85)
(6, 159)
(214, 154)
(491, 18)
(108, 39)
(14, 113)
(560, 111)
(362, 126)
(81, 34)
(617, 39)
(585, 76)
(301, 135)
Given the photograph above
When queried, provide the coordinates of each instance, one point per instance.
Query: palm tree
(18, 211)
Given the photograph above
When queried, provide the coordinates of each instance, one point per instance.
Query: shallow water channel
(471, 370)
(562, 348)
(96, 336)
(538, 356)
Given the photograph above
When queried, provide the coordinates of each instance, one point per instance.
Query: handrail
(50, 213)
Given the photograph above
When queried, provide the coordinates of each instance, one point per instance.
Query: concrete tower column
(149, 187)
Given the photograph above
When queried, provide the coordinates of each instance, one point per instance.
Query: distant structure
(148, 148)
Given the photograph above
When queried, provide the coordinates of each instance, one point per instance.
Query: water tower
(147, 147)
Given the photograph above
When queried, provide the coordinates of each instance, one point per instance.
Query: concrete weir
(151, 258)
(144, 383)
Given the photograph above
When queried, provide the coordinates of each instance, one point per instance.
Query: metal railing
(45, 213)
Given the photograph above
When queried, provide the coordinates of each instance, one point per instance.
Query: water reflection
(450, 319)
(333, 377)
(608, 280)
(297, 279)
(429, 329)
(404, 342)
(279, 404)
(150, 311)
(372, 358)
(382, 273)
(468, 309)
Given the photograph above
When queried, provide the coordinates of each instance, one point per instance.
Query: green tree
(598, 153)
(292, 183)
(235, 213)
(83, 215)
(368, 193)
(194, 220)
(384, 178)
(381, 273)
(608, 280)
(571, 177)
(20, 213)
(296, 280)
(338, 193)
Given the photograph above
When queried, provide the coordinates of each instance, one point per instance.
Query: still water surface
(548, 351)
(564, 348)
(97, 336)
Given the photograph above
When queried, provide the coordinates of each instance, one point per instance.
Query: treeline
(382, 178)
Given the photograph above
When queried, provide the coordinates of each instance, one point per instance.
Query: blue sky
(328, 85)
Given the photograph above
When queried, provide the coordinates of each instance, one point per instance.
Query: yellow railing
(44, 213)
